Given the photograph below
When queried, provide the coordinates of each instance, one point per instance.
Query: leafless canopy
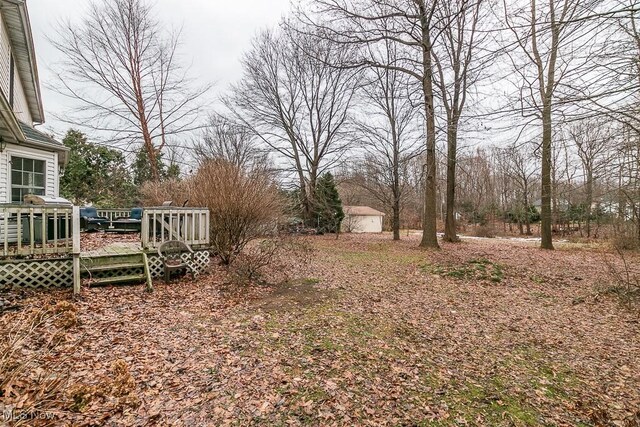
(296, 102)
(228, 140)
(390, 133)
(124, 69)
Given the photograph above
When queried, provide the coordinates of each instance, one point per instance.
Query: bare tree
(458, 68)
(297, 103)
(390, 134)
(477, 190)
(520, 168)
(409, 25)
(546, 33)
(592, 140)
(224, 139)
(124, 73)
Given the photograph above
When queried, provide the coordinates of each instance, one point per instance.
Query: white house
(30, 160)
(362, 219)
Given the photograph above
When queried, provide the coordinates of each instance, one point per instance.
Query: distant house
(30, 160)
(362, 219)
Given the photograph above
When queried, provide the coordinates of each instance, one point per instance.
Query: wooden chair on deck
(172, 253)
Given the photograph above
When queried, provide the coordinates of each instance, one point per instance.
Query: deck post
(144, 229)
(75, 229)
(147, 272)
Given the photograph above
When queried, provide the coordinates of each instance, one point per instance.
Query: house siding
(20, 105)
(52, 177)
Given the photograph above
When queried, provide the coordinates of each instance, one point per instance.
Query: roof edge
(38, 114)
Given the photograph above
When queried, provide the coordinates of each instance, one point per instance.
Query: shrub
(626, 238)
(243, 204)
(154, 193)
(626, 242)
(485, 231)
(625, 276)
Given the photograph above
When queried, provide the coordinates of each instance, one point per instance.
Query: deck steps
(107, 267)
(118, 268)
(104, 281)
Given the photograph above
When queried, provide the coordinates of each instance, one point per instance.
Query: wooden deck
(114, 249)
(41, 246)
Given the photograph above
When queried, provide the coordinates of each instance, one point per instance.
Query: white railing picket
(21, 234)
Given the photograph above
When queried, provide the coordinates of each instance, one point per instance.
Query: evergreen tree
(327, 205)
(142, 171)
(95, 174)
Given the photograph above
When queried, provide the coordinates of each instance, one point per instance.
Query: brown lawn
(369, 332)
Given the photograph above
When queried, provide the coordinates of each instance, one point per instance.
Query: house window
(27, 177)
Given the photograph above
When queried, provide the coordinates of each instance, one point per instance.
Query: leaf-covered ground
(370, 332)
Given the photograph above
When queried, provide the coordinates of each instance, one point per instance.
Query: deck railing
(160, 224)
(36, 230)
(114, 213)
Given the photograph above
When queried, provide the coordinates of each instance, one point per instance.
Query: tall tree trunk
(545, 229)
(527, 219)
(589, 201)
(429, 231)
(396, 219)
(450, 220)
(396, 195)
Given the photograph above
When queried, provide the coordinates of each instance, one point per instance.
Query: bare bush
(244, 203)
(626, 237)
(485, 231)
(153, 193)
(625, 276)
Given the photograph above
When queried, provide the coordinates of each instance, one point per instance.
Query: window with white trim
(27, 177)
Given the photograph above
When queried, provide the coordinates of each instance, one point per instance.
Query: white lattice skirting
(200, 261)
(37, 274)
(43, 274)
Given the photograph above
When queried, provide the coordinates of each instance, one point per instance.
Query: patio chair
(176, 255)
(91, 221)
(128, 224)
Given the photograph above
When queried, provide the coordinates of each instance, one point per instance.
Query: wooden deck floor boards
(118, 248)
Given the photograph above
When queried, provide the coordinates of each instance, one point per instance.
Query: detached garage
(362, 219)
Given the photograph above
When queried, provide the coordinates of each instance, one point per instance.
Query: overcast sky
(214, 36)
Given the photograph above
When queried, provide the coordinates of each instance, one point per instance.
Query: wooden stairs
(117, 268)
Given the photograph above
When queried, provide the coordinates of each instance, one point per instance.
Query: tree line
(434, 110)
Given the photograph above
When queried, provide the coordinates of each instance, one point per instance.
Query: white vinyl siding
(20, 105)
(51, 169)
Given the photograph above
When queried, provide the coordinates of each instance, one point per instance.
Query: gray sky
(214, 36)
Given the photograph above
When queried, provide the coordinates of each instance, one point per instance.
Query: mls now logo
(10, 414)
(7, 413)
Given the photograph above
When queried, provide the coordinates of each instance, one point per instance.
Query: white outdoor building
(362, 219)
(29, 159)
